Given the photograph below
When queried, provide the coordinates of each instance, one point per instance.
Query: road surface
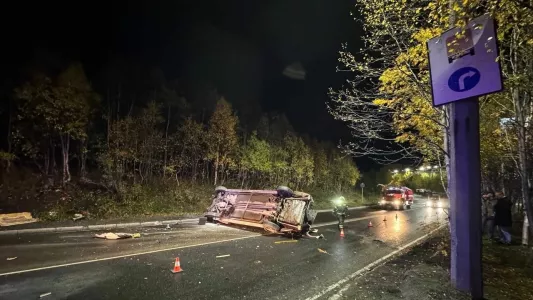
(74, 265)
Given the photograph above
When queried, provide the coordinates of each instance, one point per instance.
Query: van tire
(271, 227)
(284, 192)
(220, 188)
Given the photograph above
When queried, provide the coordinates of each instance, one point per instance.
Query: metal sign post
(362, 188)
(464, 66)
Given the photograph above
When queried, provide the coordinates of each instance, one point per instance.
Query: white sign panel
(463, 62)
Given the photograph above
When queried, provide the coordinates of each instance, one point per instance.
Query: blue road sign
(464, 79)
(463, 62)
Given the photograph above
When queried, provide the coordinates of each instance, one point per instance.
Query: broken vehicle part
(117, 236)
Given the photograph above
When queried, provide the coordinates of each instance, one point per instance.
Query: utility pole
(464, 65)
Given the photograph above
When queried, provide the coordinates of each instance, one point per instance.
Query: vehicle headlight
(396, 202)
(439, 204)
(429, 203)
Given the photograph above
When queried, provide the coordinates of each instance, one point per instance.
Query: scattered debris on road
(314, 236)
(78, 217)
(45, 294)
(12, 258)
(378, 241)
(289, 241)
(225, 255)
(16, 219)
(117, 236)
(323, 251)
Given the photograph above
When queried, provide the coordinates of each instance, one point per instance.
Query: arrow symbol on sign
(463, 77)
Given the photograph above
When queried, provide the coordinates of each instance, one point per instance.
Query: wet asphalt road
(76, 266)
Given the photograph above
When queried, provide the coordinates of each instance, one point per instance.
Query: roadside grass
(161, 199)
(49, 201)
(423, 272)
(507, 270)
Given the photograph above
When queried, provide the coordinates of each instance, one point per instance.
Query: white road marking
(373, 264)
(339, 294)
(126, 255)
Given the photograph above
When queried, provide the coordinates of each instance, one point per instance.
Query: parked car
(277, 211)
(397, 197)
(423, 192)
(435, 200)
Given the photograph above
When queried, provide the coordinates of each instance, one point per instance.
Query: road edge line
(94, 227)
(125, 255)
(375, 263)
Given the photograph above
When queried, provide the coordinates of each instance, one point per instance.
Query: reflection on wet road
(256, 268)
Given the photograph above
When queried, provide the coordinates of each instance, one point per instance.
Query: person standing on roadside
(503, 217)
(489, 201)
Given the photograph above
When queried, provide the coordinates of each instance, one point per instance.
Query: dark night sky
(241, 47)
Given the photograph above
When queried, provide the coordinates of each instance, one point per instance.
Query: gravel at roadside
(421, 273)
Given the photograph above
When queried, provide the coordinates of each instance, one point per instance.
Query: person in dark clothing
(503, 217)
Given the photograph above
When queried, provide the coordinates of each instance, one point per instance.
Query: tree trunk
(521, 105)
(166, 143)
(83, 158)
(525, 231)
(522, 160)
(53, 163)
(194, 170)
(216, 169)
(65, 145)
(47, 159)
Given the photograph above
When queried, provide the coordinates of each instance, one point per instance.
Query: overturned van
(276, 211)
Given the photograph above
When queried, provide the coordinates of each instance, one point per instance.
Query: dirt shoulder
(424, 273)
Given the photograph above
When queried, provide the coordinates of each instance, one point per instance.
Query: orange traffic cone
(342, 233)
(177, 267)
(370, 224)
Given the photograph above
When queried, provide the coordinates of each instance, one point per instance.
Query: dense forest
(128, 136)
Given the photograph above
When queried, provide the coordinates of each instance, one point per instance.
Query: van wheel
(408, 206)
(220, 188)
(285, 192)
(271, 227)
